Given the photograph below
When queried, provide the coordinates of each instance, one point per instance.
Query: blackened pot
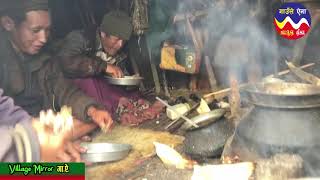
(285, 118)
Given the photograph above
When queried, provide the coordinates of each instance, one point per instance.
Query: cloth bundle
(132, 112)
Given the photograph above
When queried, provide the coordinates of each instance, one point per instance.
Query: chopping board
(142, 149)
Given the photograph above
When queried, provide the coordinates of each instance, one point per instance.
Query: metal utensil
(105, 152)
(125, 81)
(180, 115)
(178, 122)
(205, 119)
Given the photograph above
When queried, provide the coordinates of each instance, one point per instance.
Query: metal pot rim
(302, 89)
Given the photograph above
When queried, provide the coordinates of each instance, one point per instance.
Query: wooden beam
(224, 92)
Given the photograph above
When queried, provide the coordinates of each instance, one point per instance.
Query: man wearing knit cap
(88, 54)
(34, 81)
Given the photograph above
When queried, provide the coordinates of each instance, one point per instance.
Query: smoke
(241, 38)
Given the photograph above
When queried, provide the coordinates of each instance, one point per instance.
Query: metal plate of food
(105, 152)
(125, 81)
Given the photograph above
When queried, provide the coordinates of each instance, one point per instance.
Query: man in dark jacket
(13, 121)
(87, 54)
(28, 76)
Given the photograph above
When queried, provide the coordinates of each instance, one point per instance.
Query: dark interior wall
(76, 14)
(65, 17)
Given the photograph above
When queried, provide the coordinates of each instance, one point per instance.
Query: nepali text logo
(292, 20)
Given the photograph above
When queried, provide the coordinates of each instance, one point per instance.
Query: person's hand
(70, 152)
(56, 147)
(101, 117)
(114, 71)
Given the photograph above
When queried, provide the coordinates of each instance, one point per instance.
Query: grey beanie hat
(31, 5)
(23, 5)
(117, 23)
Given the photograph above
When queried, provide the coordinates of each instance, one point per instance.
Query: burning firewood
(230, 160)
(234, 96)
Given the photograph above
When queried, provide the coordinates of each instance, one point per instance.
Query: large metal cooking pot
(280, 130)
(284, 95)
(285, 118)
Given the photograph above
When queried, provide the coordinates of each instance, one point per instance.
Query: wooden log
(224, 92)
(198, 35)
(165, 83)
(210, 74)
(304, 75)
(192, 16)
(154, 72)
(194, 79)
(234, 96)
(136, 71)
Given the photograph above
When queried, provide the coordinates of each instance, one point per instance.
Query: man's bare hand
(114, 71)
(70, 152)
(101, 117)
(56, 147)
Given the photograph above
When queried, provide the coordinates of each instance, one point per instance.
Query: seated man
(87, 54)
(34, 81)
(11, 117)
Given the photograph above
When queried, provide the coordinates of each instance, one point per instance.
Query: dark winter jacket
(77, 55)
(36, 82)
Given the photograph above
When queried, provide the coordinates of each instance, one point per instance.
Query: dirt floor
(153, 168)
